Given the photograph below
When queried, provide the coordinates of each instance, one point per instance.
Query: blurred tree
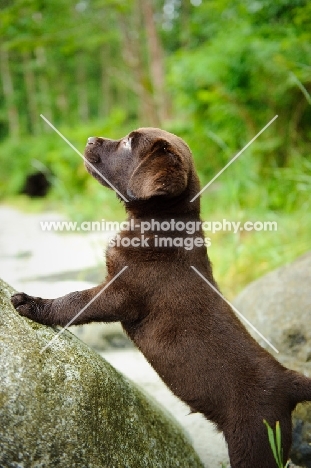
(156, 63)
(9, 104)
(75, 59)
(214, 71)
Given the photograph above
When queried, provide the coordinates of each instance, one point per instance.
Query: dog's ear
(163, 171)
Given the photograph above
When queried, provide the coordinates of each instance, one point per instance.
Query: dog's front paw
(28, 306)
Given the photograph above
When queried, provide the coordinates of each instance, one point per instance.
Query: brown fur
(187, 332)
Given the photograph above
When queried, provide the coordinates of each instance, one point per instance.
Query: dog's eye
(160, 147)
(167, 150)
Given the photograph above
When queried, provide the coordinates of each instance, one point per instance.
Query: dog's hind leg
(249, 446)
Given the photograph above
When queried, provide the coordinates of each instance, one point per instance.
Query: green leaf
(278, 440)
(272, 441)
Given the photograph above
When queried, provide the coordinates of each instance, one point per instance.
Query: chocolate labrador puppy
(188, 333)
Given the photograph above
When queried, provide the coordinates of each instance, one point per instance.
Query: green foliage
(64, 167)
(243, 63)
(275, 443)
(238, 79)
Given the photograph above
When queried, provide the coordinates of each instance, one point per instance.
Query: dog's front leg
(104, 303)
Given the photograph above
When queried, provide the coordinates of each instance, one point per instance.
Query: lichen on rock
(66, 406)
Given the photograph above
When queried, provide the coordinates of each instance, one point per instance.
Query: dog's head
(147, 163)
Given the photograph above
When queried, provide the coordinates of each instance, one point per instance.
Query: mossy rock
(67, 407)
(301, 447)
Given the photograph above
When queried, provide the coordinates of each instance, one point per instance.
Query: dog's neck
(163, 208)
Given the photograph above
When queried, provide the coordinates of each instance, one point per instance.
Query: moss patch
(68, 407)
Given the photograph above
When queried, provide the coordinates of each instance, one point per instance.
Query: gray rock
(279, 305)
(301, 447)
(103, 336)
(67, 407)
(300, 452)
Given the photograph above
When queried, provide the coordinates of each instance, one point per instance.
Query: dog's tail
(299, 387)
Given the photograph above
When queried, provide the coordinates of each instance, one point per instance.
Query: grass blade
(278, 441)
(271, 441)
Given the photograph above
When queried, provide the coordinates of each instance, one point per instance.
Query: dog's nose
(91, 140)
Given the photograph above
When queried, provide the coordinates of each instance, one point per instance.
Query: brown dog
(187, 332)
